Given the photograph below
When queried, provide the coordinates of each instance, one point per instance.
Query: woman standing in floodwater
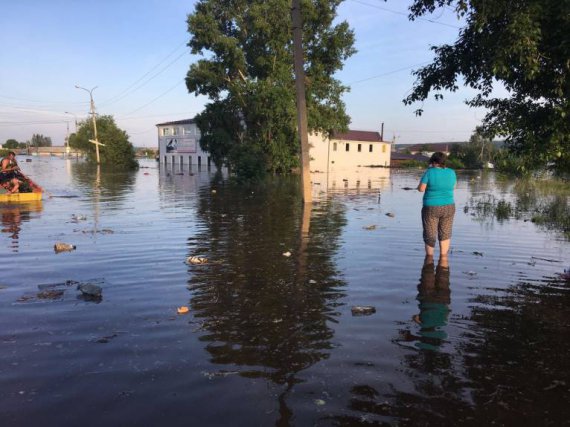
(438, 211)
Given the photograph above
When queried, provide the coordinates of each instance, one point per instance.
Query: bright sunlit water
(270, 339)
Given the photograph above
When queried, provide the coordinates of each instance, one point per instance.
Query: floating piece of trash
(390, 214)
(287, 254)
(63, 247)
(196, 260)
(408, 188)
(320, 402)
(91, 290)
(477, 253)
(78, 217)
(312, 282)
(370, 227)
(214, 191)
(470, 273)
(182, 310)
(362, 310)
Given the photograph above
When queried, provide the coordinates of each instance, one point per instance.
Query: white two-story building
(178, 144)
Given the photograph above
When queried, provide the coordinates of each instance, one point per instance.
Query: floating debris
(287, 254)
(90, 290)
(390, 214)
(182, 310)
(362, 310)
(470, 273)
(63, 247)
(77, 218)
(370, 227)
(320, 402)
(196, 260)
(477, 253)
(214, 191)
(106, 339)
(50, 294)
(408, 188)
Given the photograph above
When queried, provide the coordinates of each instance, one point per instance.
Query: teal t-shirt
(440, 184)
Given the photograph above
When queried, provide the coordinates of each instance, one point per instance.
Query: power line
(130, 89)
(396, 12)
(159, 96)
(389, 72)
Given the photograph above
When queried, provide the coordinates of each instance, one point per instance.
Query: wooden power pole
(301, 101)
(93, 114)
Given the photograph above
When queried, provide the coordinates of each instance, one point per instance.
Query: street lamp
(94, 141)
(67, 112)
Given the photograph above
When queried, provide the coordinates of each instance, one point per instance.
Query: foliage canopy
(523, 45)
(247, 73)
(11, 143)
(39, 140)
(117, 152)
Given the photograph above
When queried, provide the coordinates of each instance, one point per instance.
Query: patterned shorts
(437, 222)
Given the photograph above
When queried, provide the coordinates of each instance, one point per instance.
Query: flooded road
(270, 338)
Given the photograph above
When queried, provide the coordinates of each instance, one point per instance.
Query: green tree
(39, 140)
(523, 45)
(248, 75)
(11, 143)
(476, 153)
(117, 151)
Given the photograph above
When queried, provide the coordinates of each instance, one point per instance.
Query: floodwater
(270, 339)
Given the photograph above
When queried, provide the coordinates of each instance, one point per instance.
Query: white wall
(181, 147)
(325, 158)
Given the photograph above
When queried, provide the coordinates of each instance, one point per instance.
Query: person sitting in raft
(8, 173)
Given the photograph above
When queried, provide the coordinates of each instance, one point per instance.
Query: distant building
(178, 144)
(401, 158)
(429, 148)
(349, 150)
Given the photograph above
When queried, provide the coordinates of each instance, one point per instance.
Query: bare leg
(15, 186)
(444, 246)
(429, 250)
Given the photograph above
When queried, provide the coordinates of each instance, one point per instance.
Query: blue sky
(135, 53)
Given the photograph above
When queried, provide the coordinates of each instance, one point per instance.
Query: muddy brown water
(270, 339)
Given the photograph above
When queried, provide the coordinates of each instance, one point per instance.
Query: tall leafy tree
(39, 140)
(523, 45)
(117, 151)
(247, 72)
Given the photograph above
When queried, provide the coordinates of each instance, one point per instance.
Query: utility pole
(75, 117)
(94, 141)
(301, 101)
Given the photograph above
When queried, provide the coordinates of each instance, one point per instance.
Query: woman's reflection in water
(434, 297)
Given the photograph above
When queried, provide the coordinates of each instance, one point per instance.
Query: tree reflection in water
(109, 184)
(263, 313)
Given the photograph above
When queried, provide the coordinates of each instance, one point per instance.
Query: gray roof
(178, 122)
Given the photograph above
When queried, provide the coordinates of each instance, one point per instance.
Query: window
(187, 130)
(359, 148)
(174, 131)
(166, 132)
(347, 147)
(370, 148)
(334, 146)
(383, 148)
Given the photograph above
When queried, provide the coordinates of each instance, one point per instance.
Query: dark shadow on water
(507, 366)
(264, 313)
